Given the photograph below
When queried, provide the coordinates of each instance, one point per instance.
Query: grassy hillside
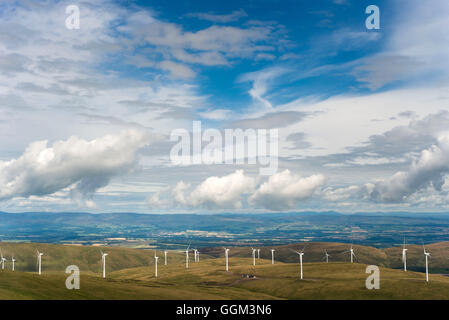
(131, 274)
(87, 258)
(439, 262)
(208, 280)
(314, 252)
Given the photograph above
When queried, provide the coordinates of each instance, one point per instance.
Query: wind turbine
(155, 265)
(300, 253)
(352, 254)
(254, 256)
(427, 256)
(272, 256)
(258, 253)
(2, 260)
(165, 256)
(13, 261)
(187, 256)
(39, 261)
(103, 260)
(404, 256)
(326, 256)
(227, 258)
(196, 254)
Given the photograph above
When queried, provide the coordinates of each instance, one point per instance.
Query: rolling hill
(131, 274)
(208, 280)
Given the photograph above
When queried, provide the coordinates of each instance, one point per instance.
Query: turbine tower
(165, 257)
(227, 258)
(103, 261)
(2, 260)
(13, 261)
(272, 256)
(352, 254)
(258, 253)
(39, 261)
(427, 256)
(196, 254)
(300, 253)
(404, 256)
(155, 266)
(187, 257)
(326, 256)
(254, 256)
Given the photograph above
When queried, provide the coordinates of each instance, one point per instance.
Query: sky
(87, 114)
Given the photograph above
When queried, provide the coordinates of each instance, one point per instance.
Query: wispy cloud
(219, 18)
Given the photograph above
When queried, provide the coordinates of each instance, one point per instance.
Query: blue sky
(86, 114)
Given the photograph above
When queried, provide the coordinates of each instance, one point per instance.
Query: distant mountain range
(132, 229)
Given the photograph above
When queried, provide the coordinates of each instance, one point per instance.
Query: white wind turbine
(187, 256)
(300, 253)
(404, 256)
(227, 258)
(272, 256)
(39, 260)
(155, 265)
(3, 259)
(196, 254)
(352, 254)
(254, 256)
(326, 256)
(165, 257)
(13, 262)
(258, 253)
(103, 261)
(427, 256)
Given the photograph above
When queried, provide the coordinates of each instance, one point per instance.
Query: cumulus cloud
(84, 165)
(223, 192)
(155, 200)
(428, 171)
(284, 190)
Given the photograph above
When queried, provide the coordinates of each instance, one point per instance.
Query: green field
(131, 276)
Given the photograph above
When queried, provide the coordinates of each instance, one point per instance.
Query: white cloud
(214, 45)
(86, 165)
(284, 190)
(413, 49)
(223, 192)
(177, 70)
(429, 171)
(220, 18)
(339, 194)
(217, 114)
(261, 81)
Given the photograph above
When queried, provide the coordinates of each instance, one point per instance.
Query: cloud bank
(428, 171)
(282, 191)
(85, 165)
